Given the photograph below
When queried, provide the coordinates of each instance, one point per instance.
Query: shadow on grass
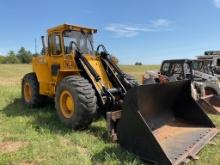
(42, 118)
(45, 118)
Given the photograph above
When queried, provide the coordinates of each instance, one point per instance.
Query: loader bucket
(211, 104)
(163, 124)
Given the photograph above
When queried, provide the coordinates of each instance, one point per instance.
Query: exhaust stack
(43, 44)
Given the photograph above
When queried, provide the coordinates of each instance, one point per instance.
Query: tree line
(22, 56)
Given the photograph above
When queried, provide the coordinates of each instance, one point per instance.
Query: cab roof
(207, 56)
(176, 60)
(64, 27)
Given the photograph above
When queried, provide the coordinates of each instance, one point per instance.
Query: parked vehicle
(204, 83)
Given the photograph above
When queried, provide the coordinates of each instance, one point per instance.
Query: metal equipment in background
(204, 83)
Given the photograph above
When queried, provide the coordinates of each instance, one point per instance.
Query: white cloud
(161, 23)
(122, 30)
(216, 3)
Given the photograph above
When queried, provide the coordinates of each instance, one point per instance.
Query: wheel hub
(27, 92)
(67, 104)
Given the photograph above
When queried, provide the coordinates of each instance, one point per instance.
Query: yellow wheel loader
(159, 123)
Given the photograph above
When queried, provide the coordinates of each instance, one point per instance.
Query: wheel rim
(67, 104)
(27, 92)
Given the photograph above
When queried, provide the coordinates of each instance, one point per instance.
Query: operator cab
(63, 39)
(179, 69)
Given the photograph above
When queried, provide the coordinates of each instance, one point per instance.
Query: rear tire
(75, 102)
(30, 91)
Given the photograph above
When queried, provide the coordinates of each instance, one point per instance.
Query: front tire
(75, 102)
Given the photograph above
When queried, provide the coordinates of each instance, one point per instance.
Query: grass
(36, 136)
(138, 71)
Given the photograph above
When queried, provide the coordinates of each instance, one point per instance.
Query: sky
(146, 31)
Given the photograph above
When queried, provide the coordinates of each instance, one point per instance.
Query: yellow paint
(27, 92)
(67, 104)
(42, 68)
(96, 63)
(42, 64)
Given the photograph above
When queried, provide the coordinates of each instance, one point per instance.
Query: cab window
(165, 67)
(195, 65)
(176, 68)
(186, 68)
(55, 44)
(84, 41)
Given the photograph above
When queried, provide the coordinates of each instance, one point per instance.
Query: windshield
(203, 66)
(83, 40)
(169, 68)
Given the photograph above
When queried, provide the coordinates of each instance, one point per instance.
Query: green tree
(11, 58)
(2, 58)
(35, 54)
(24, 56)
